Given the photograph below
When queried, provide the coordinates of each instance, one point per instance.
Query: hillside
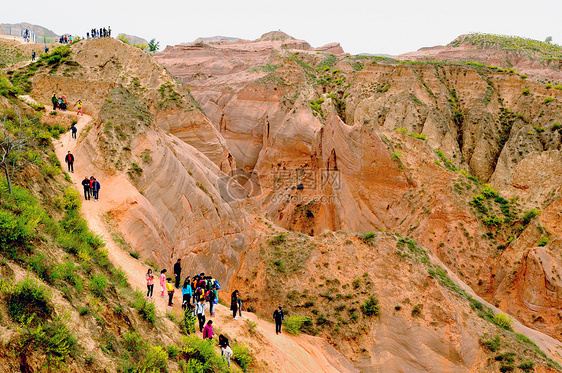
(538, 59)
(393, 208)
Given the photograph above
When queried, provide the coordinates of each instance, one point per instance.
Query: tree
(16, 147)
(548, 39)
(153, 45)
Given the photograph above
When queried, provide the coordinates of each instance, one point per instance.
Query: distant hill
(134, 39)
(215, 39)
(16, 27)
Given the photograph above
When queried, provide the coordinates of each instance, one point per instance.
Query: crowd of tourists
(91, 188)
(65, 39)
(99, 32)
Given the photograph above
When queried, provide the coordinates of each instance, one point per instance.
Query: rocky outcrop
(333, 48)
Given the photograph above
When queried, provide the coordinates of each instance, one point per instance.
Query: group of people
(91, 188)
(59, 102)
(65, 39)
(99, 33)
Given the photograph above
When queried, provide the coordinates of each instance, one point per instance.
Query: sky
(360, 26)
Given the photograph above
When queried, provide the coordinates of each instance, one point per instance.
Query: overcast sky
(361, 26)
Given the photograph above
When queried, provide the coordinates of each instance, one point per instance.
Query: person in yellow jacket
(170, 289)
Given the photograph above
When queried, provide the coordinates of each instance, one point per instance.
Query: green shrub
(525, 92)
(242, 356)
(543, 241)
(417, 310)
(172, 351)
(187, 324)
(134, 343)
(98, 283)
(527, 366)
(146, 309)
(529, 215)
(53, 338)
(201, 356)
(155, 361)
(294, 324)
(548, 99)
(548, 85)
(558, 86)
(82, 310)
(493, 344)
(489, 192)
(368, 237)
(7, 89)
(29, 299)
(371, 306)
(502, 320)
(556, 126)
(277, 240)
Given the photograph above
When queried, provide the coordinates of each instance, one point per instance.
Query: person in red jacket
(70, 160)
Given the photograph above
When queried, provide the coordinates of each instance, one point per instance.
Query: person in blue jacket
(96, 189)
(187, 293)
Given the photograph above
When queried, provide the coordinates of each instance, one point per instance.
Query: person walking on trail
(278, 317)
(200, 313)
(208, 332)
(33, 56)
(177, 273)
(163, 282)
(96, 189)
(170, 289)
(46, 49)
(234, 304)
(186, 293)
(211, 296)
(73, 129)
(149, 284)
(79, 110)
(55, 101)
(239, 305)
(86, 185)
(69, 158)
(226, 351)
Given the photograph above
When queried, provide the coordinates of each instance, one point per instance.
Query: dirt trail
(281, 353)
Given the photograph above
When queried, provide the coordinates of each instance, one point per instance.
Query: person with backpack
(54, 100)
(278, 317)
(177, 273)
(234, 304)
(96, 189)
(33, 56)
(163, 281)
(149, 284)
(208, 332)
(200, 313)
(170, 289)
(73, 130)
(69, 158)
(211, 296)
(63, 103)
(194, 282)
(186, 293)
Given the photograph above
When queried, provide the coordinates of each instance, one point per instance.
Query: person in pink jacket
(208, 330)
(163, 282)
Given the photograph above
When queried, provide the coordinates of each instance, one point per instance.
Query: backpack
(217, 285)
(208, 295)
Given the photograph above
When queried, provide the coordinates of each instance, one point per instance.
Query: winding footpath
(280, 353)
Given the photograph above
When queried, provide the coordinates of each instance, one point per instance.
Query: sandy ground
(281, 353)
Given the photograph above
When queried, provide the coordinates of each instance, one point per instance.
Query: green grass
(29, 300)
(295, 324)
(242, 355)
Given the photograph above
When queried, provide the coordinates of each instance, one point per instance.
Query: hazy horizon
(359, 26)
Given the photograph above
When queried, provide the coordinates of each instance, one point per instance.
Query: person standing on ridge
(73, 129)
(54, 100)
(149, 284)
(46, 49)
(79, 111)
(96, 189)
(278, 317)
(170, 289)
(234, 304)
(200, 312)
(86, 185)
(177, 273)
(163, 282)
(69, 158)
